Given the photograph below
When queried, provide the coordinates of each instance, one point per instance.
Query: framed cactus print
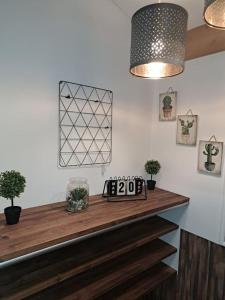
(210, 157)
(168, 106)
(187, 129)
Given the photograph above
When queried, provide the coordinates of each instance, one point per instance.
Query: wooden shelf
(142, 284)
(47, 270)
(99, 280)
(100, 262)
(50, 225)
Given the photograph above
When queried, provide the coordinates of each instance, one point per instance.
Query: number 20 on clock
(126, 187)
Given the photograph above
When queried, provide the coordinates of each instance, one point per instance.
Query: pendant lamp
(158, 41)
(214, 14)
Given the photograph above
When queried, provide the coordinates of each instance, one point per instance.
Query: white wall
(82, 41)
(202, 89)
(86, 41)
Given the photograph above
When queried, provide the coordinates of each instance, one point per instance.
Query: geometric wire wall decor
(85, 125)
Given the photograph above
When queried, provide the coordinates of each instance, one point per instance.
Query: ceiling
(194, 8)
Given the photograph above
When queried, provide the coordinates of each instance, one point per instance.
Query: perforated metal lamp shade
(214, 13)
(158, 41)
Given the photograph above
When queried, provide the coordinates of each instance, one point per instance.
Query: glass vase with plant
(77, 198)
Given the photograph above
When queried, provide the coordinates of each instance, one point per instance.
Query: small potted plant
(12, 184)
(152, 167)
(77, 200)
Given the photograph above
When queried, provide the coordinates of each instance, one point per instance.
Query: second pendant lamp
(158, 41)
(214, 14)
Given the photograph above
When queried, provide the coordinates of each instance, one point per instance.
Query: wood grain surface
(216, 283)
(167, 290)
(140, 286)
(193, 267)
(201, 273)
(204, 40)
(48, 225)
(97, 281)
(36, 274)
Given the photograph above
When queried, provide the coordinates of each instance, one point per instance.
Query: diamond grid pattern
(158, 32)
(85, 125)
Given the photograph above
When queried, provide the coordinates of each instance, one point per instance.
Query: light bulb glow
(157, 47)
(156, 70)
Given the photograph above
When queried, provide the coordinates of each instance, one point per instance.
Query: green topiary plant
(12, 184)
(152, 167)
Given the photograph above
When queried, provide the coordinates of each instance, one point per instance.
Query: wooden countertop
(49, 225)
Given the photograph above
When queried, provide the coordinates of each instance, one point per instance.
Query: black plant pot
(12, 214)
(151, 184)
(210, 166)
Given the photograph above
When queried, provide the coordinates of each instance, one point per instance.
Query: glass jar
(77, 195)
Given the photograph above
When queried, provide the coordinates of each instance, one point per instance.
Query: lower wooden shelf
(108, 264)
(97, 281)
(141, 285)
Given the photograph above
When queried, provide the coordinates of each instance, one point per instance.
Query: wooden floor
(201, 269)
